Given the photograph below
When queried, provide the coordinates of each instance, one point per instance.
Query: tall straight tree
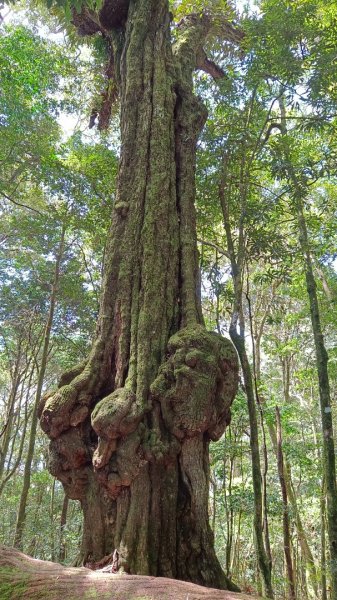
(299, 192)
(130, 427)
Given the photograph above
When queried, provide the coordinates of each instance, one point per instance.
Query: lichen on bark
(130, 427)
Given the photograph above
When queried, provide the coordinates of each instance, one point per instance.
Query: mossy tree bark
(26, 578)
(130, 427)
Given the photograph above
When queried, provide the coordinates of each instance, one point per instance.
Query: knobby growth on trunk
(130, 427)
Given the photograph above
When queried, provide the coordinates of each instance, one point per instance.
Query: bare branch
(208, 66)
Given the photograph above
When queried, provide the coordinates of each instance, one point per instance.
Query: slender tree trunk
(130, 428)
(263, 561)
(303, 587)
(329, 463)
(286, 520)
(21, 518)
(306, 552)
(227, 491)
(307, 555)
(323, 544)
(35, 547)
(256, 374)
(63, 523)
(321, 275)
(238, 339)
(214, 488)
(236, 552)
(13, 468)
(18, 425)
(51, 513)
(9, 420)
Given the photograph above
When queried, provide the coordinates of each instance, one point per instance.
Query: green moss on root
(13, 584)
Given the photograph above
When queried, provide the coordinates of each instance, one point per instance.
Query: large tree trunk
(130, 428)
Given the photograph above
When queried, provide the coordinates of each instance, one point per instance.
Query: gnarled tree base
(25, 578)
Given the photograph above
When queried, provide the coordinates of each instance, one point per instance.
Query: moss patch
(13, 583)
(197, 383)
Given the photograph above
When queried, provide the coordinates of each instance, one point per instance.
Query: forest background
(270, 138)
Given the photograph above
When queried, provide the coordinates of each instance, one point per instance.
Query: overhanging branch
(17, 203)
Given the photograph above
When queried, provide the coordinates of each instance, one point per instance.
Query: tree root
(25, 578)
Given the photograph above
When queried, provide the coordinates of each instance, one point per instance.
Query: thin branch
(215, 246)
(20, 204)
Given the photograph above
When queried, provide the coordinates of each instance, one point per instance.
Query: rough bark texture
(25, 578)
(130, 427)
